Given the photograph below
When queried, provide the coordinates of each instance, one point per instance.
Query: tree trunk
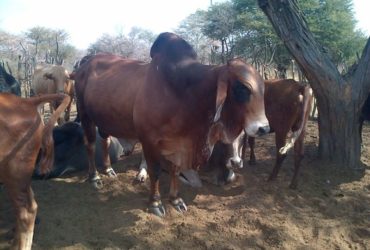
(339, 98)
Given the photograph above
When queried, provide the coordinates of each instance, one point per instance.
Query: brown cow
(113, 83)
(288, 104)
(22, 136)
(51, 79)
(176, 107)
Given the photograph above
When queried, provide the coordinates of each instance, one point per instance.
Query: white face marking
(253, 126)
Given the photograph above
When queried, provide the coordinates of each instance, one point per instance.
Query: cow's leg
(244, 146)
(155, 206)
(90, 138)
(68, 110)
(143, 173)
(252, 157)
(107, 166)
(128, 146)
(41, 109)
(53, 107)
(25, 207)
(176, 201)
(227, 174)
(154, 170)
(298, 157)
(279, 142)
(77, 118)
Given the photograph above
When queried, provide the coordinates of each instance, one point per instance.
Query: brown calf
(23, 134)
(287, 104)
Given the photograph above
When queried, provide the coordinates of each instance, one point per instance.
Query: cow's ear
(48, 76)
(241, 92)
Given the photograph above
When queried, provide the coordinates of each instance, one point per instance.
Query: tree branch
(290, 25)
(361, 73)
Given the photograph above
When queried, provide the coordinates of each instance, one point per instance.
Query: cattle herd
(186, 115)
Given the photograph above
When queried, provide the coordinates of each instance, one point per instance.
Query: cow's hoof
(98, 184)
(110, 172)
(252, 162)
(179, 205)
(157, 208)
(142, 175)
(96, 181)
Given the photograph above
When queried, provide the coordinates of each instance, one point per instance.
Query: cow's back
(10, 135)
(283, 103)
(106, 88)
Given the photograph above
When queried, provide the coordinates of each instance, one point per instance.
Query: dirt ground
(330, 209)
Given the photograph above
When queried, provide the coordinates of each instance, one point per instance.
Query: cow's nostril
(263, 130)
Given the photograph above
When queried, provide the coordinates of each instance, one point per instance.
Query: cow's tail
(307, 103)
(47, 144)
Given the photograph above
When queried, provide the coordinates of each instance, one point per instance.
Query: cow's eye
(241, 92)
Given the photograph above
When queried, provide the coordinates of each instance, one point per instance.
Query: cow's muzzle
(263, 130)
(236, 163)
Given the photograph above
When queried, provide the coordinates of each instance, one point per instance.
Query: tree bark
(339, 98)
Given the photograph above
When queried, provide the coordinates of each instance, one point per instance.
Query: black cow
(70, 152)
(8, 83)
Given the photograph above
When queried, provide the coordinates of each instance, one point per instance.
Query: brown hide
(169, 105)
(288, 104)
(23, 135)
(106, 89)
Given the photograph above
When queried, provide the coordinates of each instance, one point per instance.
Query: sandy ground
(330, 209)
